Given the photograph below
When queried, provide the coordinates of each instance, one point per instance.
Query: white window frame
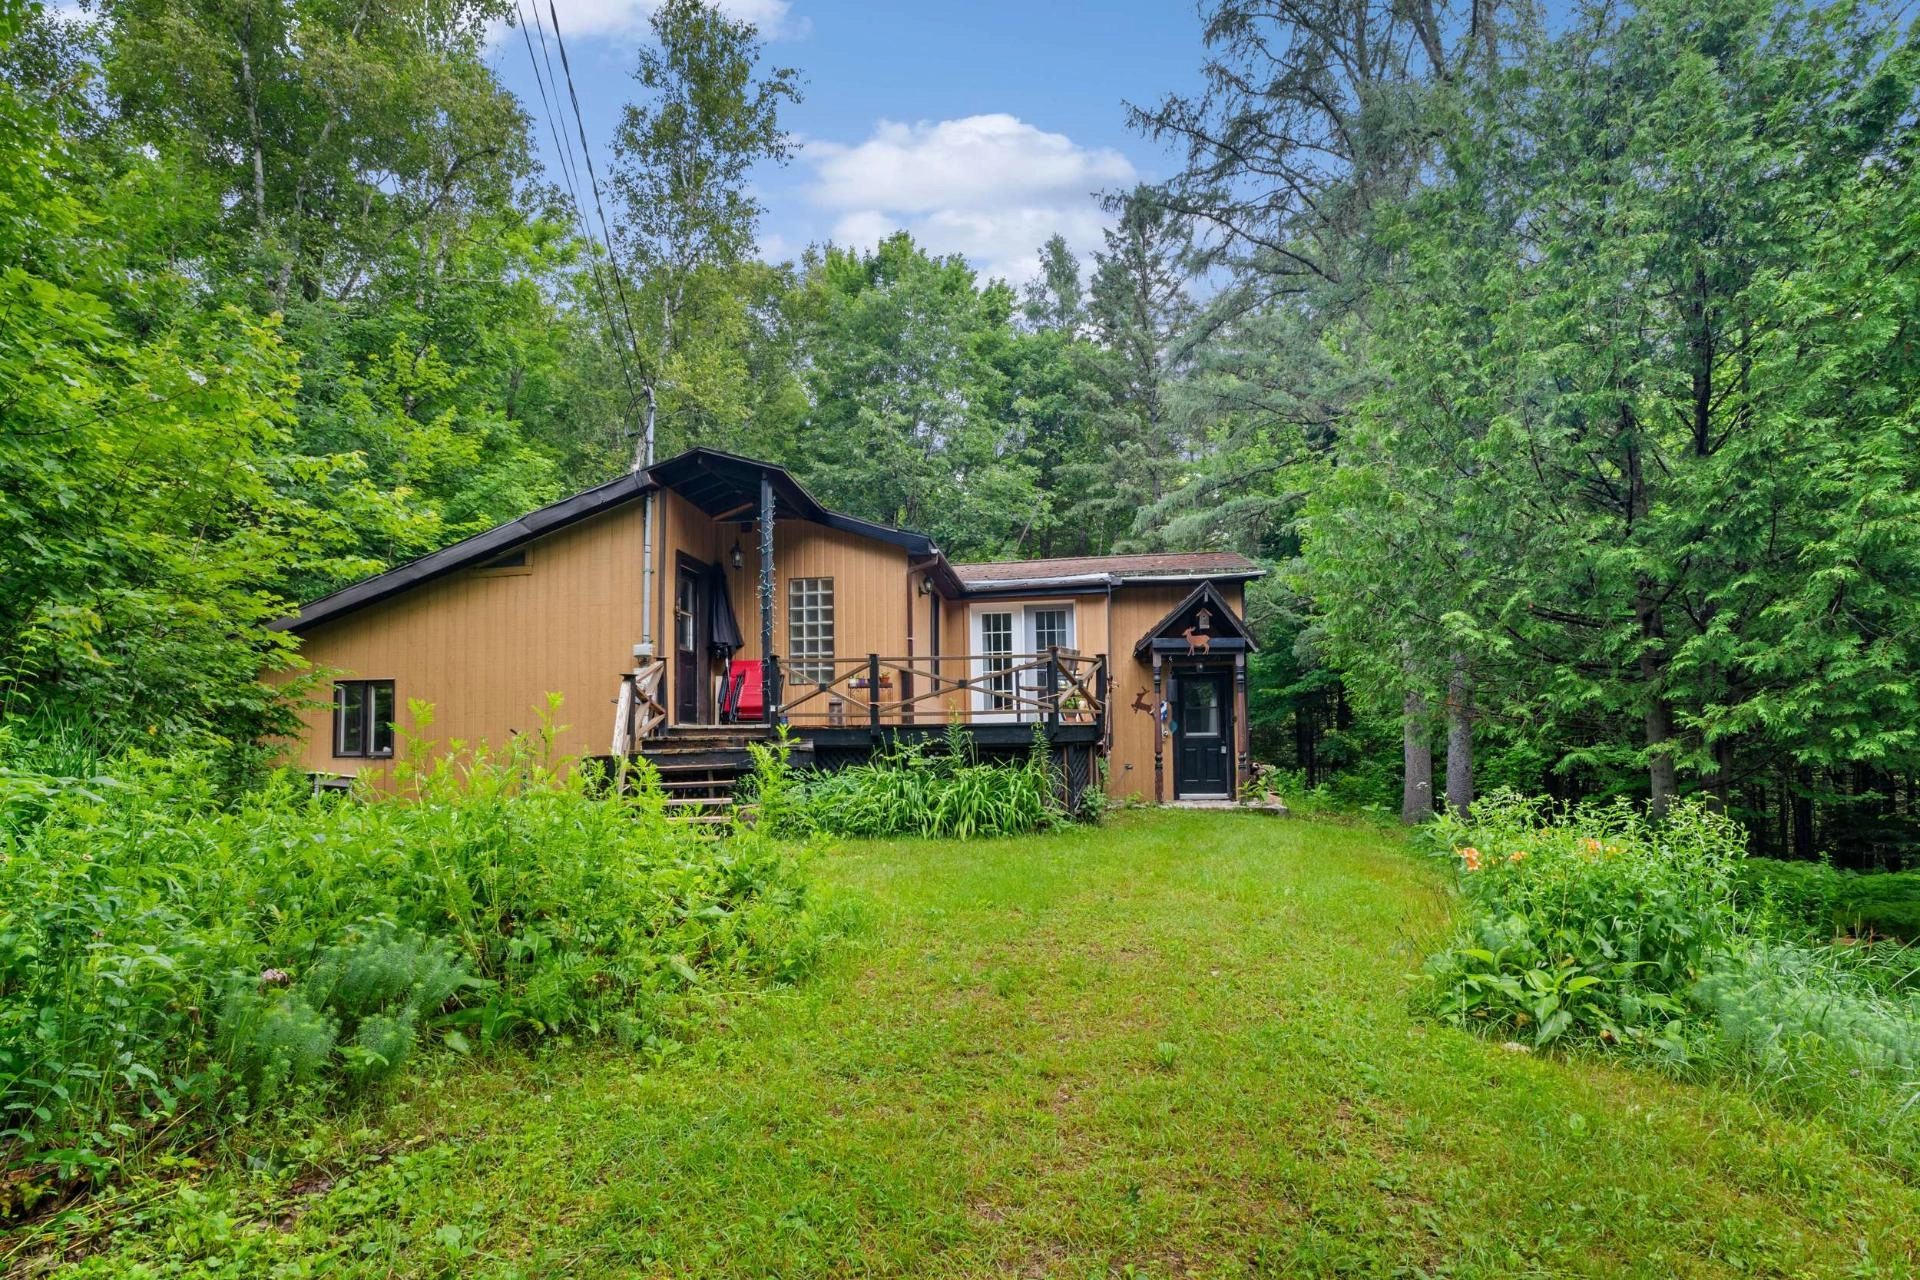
(988, 706)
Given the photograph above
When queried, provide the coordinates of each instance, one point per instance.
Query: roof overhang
(940, 573)
(1232, 637)
(1065, 582)
(478, 549)
(727, 486)
(1176, 579)
(722, 485)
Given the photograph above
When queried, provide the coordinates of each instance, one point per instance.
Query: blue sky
(981, 127)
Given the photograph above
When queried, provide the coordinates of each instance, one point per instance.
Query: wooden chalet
(689, 608)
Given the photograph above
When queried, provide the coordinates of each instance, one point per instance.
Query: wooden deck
(1061, 690)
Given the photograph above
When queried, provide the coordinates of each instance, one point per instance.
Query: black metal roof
(480, 547)
(727, 486)
(720, 484)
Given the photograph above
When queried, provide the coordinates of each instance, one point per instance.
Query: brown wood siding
(485, 648)
(1135, 609)
(1090, 629)
(870, 579)
(870, 593)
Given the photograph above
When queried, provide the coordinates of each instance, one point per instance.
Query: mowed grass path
(1178, 1045)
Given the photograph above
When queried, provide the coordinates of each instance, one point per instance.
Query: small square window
(363, 717)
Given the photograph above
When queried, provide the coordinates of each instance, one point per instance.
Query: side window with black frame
(363, 717)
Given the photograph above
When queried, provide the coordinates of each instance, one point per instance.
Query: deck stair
(700, 768)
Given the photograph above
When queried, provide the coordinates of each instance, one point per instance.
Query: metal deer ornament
(1140, 702)
(1197, 642)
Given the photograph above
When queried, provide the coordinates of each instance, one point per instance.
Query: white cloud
(991, 187)
(623, 18)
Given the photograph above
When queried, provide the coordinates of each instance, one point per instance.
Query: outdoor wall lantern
(739, 561)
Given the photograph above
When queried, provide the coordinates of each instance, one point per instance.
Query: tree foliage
(1564, 369)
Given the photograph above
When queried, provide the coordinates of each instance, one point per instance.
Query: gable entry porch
(1201, 743)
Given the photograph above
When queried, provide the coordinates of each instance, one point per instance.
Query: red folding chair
(745, 698)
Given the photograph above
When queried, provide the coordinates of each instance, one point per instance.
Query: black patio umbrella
(723, 636)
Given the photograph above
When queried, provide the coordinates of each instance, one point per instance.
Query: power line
(593, 179)
(563, 153)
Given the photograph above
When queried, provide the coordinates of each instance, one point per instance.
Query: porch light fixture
(926, 584)
(738, 560)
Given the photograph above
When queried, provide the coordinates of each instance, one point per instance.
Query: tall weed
(913, 790)
(1595, 924)
(169, 959)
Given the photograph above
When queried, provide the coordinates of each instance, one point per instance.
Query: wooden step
(680, 802)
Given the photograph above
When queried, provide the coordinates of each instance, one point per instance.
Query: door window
(684, 621)
(996, 649)
(1200, 709)
(1051, 628)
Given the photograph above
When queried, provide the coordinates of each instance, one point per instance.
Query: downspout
(771, 683)
(1113, 681)
(643, 461)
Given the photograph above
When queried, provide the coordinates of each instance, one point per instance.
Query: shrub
(1587, 921)
(911, 789)
(168, 960)
(1813, 900)
(1594, 923)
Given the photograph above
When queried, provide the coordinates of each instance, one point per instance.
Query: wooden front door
(1203, 735)
(689, 628)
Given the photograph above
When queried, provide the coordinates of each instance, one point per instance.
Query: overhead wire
(569, 173)
(593, 181)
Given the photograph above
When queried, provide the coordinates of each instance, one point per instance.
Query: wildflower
(1516, 855)
(1471, 856)
(1590, 845)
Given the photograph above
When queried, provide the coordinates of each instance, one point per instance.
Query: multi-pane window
(810, 629)
(996, 659)
(1051, 629)
(363, 717)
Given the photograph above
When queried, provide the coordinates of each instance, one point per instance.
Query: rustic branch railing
(1056, 687)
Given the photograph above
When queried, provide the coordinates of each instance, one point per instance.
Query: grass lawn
(1178, 1045)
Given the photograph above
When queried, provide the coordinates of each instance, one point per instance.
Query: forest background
(1563, 366)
